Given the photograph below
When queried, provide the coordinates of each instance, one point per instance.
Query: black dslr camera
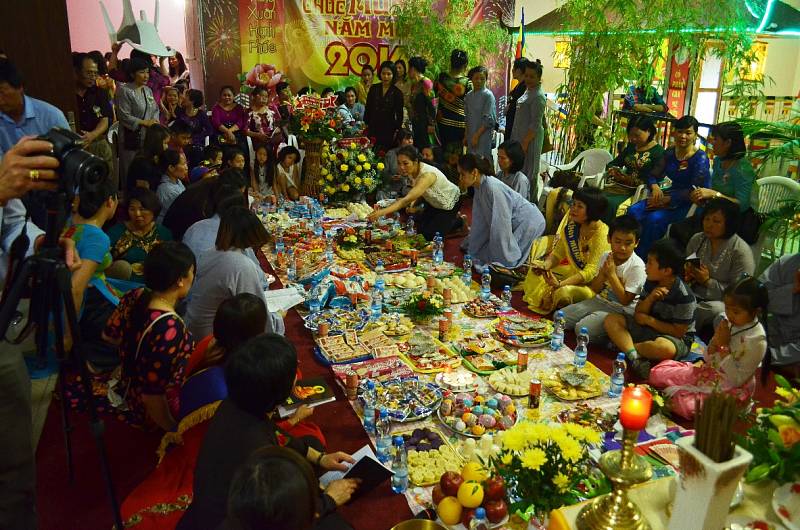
(77, 167)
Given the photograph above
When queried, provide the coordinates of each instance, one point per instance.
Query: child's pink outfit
(686, 385)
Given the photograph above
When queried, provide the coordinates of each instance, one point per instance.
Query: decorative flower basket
(422, 307)
(350, 171)
(312, 164)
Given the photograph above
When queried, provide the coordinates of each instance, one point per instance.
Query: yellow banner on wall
(317, 42)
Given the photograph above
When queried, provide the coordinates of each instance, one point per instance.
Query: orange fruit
(470, 494)
(449, 510)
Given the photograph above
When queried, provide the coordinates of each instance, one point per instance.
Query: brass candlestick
(615, 511)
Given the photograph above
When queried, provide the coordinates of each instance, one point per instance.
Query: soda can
(447, 294)
(414, 257)
(522, 360)
(323, 329)
(535, 395)
(444, 327)
(389, 245)
(431, 282)
(351, 385)
(448, 314)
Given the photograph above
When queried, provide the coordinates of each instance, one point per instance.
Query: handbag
(117, 400)
(749, 226)
(132, 139)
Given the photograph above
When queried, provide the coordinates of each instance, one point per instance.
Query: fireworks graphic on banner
(221, 29)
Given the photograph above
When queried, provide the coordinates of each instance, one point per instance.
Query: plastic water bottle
(479, 520)
(506, 298)
(557, 338)
(380, 283)
(314, 305)
(279, 246)
(399, 466)
(318, 231)
(438, 249)
(369, 408)
(582, 348)
(291, 270)
(411, 229)
(486, 283)
(383, 438)
(617, 376)
(377, 303)
(467, 266)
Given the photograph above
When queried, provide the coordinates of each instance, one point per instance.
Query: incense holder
(705, 488)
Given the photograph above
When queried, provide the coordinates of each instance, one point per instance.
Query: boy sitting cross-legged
(619, 280)
(662, 325)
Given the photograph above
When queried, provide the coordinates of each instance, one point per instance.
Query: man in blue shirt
(22, 115)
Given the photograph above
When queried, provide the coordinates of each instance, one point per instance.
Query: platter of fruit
(392, 261)
(588, 416)
(520, 331)
(405, 280)
(474, 414)
(429, 456)
(459, 292)
(406, 400)
(458, 495)
(338, 320)
(510, 382)
(569, 383)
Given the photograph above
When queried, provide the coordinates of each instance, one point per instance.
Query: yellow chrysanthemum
(571, 450)
(533, 458)
(329, 178)
(362, 158)
(357, 180)
(513, 440)
(367, 166)
(353, 145)
(323, 172)
(561, 482)
(359, 169)
(380, 166)
(368, 181)
(507, 458)
(345, 187)
(330, 189)
(344, 167)
(346, 154)
(320, 182)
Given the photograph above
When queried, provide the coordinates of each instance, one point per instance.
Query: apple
(466, 516)
(495, 488)
(450, 482)
(438, 494)
(496, 511)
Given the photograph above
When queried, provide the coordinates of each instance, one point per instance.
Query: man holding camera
(24, 167)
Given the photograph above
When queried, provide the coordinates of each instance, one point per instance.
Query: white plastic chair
(252, 152)
(593, 165)
(772, 194)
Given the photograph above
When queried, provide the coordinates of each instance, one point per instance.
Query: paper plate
(786, 503)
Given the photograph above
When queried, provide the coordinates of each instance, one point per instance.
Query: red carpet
(83, 505)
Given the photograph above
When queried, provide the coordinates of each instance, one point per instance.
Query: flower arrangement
(314, 118)
(774, 438)
(348, 171)
(348, 239)
(543, 464)
(424, 305)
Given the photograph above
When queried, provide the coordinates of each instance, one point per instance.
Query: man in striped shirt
(662, 326)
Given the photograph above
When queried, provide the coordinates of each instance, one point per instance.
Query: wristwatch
(717, 195)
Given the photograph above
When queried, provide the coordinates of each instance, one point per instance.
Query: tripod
(51, 289)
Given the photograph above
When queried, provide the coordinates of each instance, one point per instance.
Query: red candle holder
(634, 409)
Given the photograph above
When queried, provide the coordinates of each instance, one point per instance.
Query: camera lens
(84, 168)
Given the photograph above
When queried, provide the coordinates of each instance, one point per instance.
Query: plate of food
(395, 325)
(406, 400)
(442, 270)
(338, 320)
(342, 348)
(392, 261)
(518, 330)
(457, 381)
(588, 416)
(479, 308)
(415, 242)
(786, 503)
(405, 280)
(395, 299)
(474, 414)
(569, 383)
(483, 354)
(430, 455)
(427, 355)
(459, 292)
(511, 382)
